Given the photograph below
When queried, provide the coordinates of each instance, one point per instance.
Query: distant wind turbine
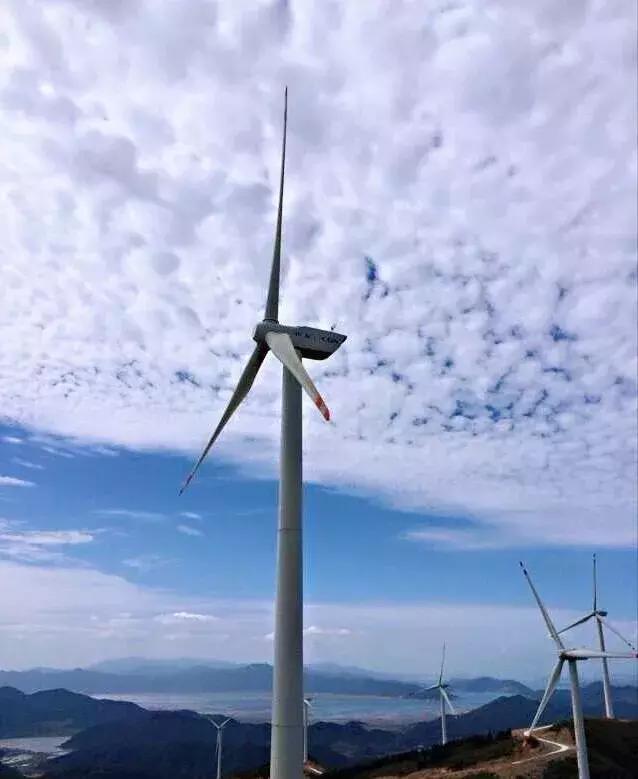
(289, 344)
(572, 657)
(444, 699)
(599, 615)
(220, 735)
(307, 705)
(442, 687)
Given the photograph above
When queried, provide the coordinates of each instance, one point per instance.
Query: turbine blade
(546, 617)
(590, 654)
(241, 390)
(613, 630)
(442, 662)
(433, 687)
(282, 347)
(226, 721)
(578, 622)
(448, 701)
(551, 686)
(595, 587)
(272, 301)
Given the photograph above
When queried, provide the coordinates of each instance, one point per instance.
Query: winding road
(558, 747)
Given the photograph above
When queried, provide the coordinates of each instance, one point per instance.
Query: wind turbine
(444, 699)
(441, 686)
(599, 615)
(220, 734)
(307, 705)
(572, 657)
(289, 344)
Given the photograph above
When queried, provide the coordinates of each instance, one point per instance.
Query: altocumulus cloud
(462, 178)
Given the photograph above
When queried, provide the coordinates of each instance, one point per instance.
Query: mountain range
(121, 740)
(247, 678)
(140, 675)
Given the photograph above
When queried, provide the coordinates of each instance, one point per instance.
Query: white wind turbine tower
(289, 344)
(307, 705)
(599, 615)
(572, 657)
(220, 737)
(444, 699)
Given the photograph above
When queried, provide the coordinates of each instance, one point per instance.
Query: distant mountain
(57, 712)
(145, 665)
(424, 694)
(245, 678)
(490, 684)
(186, 675)
(335, 669)
(625, 699)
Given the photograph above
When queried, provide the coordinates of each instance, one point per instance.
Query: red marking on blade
(322, 407)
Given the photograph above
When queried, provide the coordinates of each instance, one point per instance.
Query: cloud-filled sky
(460, 201)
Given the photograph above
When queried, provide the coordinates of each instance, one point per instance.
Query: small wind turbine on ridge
(220, 734)
(307, 706)
(444, 699)
(289, 344)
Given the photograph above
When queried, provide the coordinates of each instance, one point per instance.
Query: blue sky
(475, 238)
(217, 542)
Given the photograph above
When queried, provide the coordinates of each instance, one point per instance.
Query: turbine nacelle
(311, 342)
(592, 654)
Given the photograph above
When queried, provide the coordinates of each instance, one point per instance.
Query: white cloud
(490, 367)
(73, 616)
(12, 481)
(189, 531)
(315, 630)
(184, 616)
(58, 452)
(11, 439)
(190, 515)
(145, 562)
(144, 516)
(28, 464)
(39, 546)
(50, 537)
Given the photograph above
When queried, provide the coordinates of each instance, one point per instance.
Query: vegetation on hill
(57, 712)
(613, 748)
(454, 756)
(6, 772)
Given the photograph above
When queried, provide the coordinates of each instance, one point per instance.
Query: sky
(460, 201)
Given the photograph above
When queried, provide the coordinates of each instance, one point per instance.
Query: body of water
(47, 745)
(329, 707)
(28, 754)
